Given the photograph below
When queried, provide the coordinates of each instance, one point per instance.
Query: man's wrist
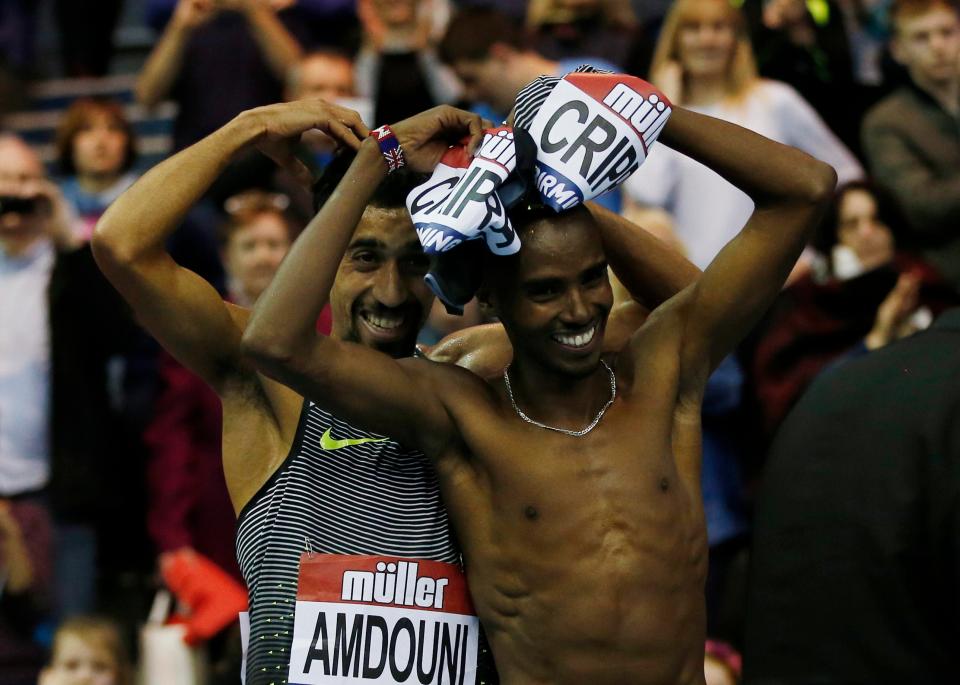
(244, 130)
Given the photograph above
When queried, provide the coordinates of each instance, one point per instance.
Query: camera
(21, 205)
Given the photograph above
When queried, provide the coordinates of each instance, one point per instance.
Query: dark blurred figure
(96, 150)
(805, 45)
(866, 295)
(397, 66)
(215, 59)
(86, 35)
(912, 138)
(856, 559)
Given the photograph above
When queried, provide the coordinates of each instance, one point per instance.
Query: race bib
(592, 132)
(373, 619)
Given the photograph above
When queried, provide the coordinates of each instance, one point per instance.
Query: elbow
(108, 247)
(812, 184)
(819, 183)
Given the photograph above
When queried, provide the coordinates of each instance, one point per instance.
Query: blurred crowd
(110, 476)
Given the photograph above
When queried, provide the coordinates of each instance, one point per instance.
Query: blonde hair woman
(704, 61)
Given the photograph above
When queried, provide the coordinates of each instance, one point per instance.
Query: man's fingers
(474, 125)
(345, 135)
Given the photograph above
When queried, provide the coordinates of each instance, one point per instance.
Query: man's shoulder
(895, 110)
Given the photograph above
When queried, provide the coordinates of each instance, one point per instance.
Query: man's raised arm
(790, 190)
(179, 308)
(364, 386)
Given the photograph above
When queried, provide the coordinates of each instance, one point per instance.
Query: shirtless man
(380, 279)
(586, 556)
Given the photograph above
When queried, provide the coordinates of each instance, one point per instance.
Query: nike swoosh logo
(329, 443)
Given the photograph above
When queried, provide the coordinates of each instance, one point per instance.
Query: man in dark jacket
(855, 576)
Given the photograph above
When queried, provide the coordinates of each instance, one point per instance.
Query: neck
(946, 93)
(18, 245)
(704, 90)
(96, 183)
(558, 400)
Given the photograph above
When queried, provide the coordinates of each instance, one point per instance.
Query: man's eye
(365, 257)
(543, 292)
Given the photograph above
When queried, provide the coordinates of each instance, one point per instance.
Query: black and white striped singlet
(371, 498)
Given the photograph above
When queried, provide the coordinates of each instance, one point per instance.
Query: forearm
(651, 271)
(278, 46)
(771, 173)
(140, 221)
(283, 322)
(163, 65)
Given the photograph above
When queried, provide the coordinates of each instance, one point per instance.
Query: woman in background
(704, 61)
(96, 150)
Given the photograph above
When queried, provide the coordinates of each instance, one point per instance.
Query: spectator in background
(397, 67)
(25, 565)
(325, 74)
(490, 55)
(88, 651)
(866, 295)
(215, 59)
(566, 28)
(854, 575)
(329, 75)
(703, 61)
(912, 138)
(493, 60)
(61, 323)
(96, 150)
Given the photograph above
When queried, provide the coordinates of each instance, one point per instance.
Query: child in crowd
(87, 651)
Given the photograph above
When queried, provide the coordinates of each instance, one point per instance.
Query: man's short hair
(76, 118)
(905, 9)
(391, 193)
(473, 31)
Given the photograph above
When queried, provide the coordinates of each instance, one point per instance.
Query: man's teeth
(578, 340)
(388, 322)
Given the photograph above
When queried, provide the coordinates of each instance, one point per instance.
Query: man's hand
(426, 136)
(191, 14)
(59, 218)
(282, 124)
(895, 313)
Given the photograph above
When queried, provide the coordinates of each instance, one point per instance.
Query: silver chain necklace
(576, 434)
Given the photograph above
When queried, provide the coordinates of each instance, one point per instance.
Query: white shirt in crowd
(25, 369)
(707, 210)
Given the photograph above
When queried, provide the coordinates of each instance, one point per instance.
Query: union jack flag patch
(389, 148)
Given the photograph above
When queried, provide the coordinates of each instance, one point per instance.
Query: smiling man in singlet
(572, 480)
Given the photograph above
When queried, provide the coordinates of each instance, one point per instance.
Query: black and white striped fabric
(532, 96)
(371, 498)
